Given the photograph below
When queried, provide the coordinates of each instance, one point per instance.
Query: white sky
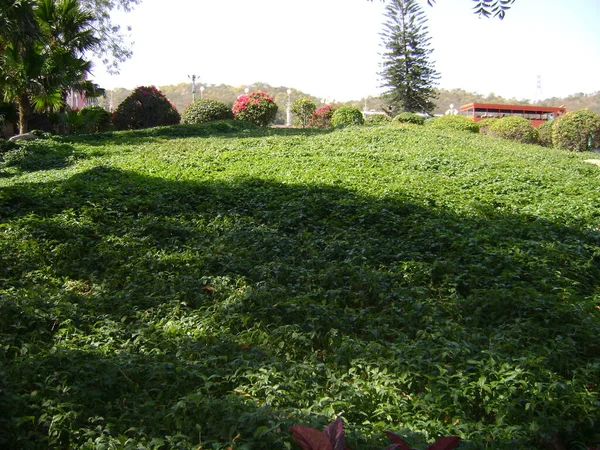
(331, 48)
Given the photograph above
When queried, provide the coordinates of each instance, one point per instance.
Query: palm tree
(36, 73)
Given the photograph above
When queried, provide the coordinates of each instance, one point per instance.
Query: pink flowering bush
(146, 107)
(321, 118)
(257, 107)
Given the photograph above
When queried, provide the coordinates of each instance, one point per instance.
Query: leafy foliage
(94, 119)
(347, 115)
(377, 119)
(146, 107)
(514, 128)
(212, 285)
(44, 58)
(485, 124)
(206, 110)
(545, 133)
(577, 131)
(453, 122)
(257, 107)
(407, 73)
(304, 109)
(407, 117)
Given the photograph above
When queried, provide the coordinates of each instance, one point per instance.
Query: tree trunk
(24, 109)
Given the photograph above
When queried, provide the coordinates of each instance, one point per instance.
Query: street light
(202, 91)
(289, 111)
(193, 78)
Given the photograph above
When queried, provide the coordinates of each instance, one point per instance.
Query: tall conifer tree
(407, 72)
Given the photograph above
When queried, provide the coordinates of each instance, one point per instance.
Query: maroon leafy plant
(445, 443)
(332, 438)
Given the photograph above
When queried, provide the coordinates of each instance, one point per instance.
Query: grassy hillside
(207, 287)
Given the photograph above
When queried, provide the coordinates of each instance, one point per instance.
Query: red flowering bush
(257, 107)
(146, 107)
(321, 118)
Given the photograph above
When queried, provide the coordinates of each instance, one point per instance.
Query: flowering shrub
(321, 118)
(347, 115)
(304, 109)
(145, 107)
(206, 110)
(257, 107)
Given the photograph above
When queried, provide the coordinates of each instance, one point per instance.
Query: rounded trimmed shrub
(206, 110)
(545, 133)
(347, 115)
(577, 131)
(514, 128)
(146, 107)
(322, 117)
(454, 122)
(258, 108)
(484, 124)
(377, 119)
(408, 117)
(93, 119)
(304, 108)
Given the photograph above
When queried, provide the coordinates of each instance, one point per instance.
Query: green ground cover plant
(211, 286)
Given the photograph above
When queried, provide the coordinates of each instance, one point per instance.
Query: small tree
(407, 72)
(304, 109)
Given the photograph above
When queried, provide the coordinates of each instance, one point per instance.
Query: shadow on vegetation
(225, 128)
(170, 314)
(38, 155)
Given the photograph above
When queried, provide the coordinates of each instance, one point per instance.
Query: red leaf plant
(445, 443)
(332, 438)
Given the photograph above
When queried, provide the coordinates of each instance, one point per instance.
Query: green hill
(210, 286)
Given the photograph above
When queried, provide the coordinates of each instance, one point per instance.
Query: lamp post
(288, 120)
(193, 78)
(202, 91)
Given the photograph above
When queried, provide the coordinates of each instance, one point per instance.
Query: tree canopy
(486, 8)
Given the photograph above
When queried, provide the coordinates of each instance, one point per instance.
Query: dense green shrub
(577, 131)
(206, 110)
(146, 107)
(545, 133)
(304, 108)
(347, 115)
(377, 119)
(484, 124)
(408, 117)
(258, 108)
(322, 117)
(93, 119)
(454, 122)
(514, 128)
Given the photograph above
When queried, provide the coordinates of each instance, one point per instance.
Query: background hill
(181, 96)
